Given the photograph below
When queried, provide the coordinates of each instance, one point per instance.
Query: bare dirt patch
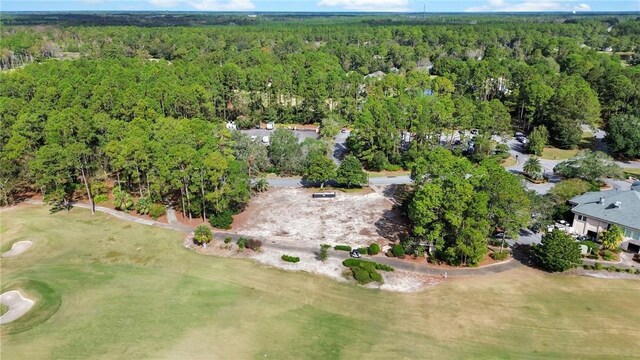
(291, 215)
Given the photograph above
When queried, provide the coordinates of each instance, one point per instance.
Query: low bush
(143, 204)
(323, 254)
(222, 220)
(228, 240)
(598, 266)
(398, 250)
(291, 259)
(374, 249)
(100, 198)
(242, 242)
(254, 245)
(357, 262)
(618, 269)
(156, 211)
(363, 250)
(586, 267)
(361, 275)
(202, 235)
(500, 255)
(610, 268)
(608, 255)
(342, 247)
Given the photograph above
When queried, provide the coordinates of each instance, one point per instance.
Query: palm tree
(532, 168)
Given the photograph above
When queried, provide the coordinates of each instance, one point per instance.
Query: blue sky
(324, 5)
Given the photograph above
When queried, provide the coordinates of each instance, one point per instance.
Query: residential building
(595, 212)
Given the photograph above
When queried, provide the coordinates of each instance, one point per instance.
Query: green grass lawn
(632, 171)
(112, 289)
(552, 153)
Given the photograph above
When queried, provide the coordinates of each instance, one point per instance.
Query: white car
(265, 139)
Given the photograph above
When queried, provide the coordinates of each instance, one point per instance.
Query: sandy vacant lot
(291, 215)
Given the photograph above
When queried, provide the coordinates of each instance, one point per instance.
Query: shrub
(100, 198)
(228, 240)
(500, 255)
(397, 250)
(608, 255)
(363, 250)
(375, 276)
(242, 242)
(374, 249)
(156, 211)
(361, 275)
(99, 188)
(222, 220)
(323, 254)
(351, 262)
(143, 205)
(291, 259)
(598, 266)
(342, 247)
(202, 235)
(586, 267)
(254, 245)
(122, 200)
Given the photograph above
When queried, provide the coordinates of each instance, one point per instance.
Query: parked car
(343, 131)
(355, 253)
(474, 131)
(265, 139)
(258, 126)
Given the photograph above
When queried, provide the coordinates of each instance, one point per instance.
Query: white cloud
(529, 6)
(368, 5)
(206, 5)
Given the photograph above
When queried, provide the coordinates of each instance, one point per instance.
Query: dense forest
(84, 104)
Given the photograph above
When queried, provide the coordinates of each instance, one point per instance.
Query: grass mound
(47, 302)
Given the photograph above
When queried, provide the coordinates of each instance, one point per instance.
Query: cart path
(420, 268)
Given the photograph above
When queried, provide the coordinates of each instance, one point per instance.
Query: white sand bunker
(18, 248)
(18, 305)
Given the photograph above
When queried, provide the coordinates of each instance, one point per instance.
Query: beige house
(594, 212)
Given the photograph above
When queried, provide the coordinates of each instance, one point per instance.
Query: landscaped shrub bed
(342, 247)
(291, 259)
(365, 271)
(363, 250)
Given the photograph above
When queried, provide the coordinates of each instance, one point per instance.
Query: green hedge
(357, 262)
(374, 249)
(291, 259)
(363, 250)
(398, 250)
(342, 247)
